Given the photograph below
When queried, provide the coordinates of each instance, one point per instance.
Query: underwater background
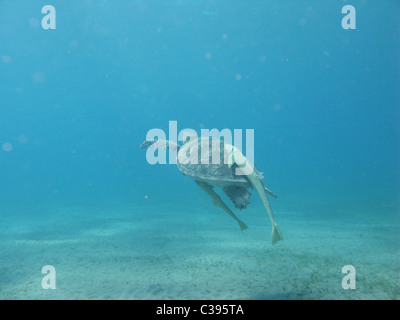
(77, 192)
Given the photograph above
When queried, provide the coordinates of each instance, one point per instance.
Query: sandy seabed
(165, 252)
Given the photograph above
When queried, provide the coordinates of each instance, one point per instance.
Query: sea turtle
(222, 166)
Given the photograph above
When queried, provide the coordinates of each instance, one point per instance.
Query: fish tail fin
(276, 234)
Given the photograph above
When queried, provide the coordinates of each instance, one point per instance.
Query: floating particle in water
(146, 196)
(208, 55)
(6, 59)
(22, 138)
(39, 77)
(37, 142)
(224, 36)
(302, 22)
(238, 77)
(33, 22)
(7, 147)
(277, 107)
(208, 13)
(311, 11)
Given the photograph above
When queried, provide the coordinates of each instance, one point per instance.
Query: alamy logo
(49, 20)
(349, 280)
(212, 147)
(49, 280)
(349, 20)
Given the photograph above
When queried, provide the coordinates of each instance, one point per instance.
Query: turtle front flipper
(160, 144)
(217, 201)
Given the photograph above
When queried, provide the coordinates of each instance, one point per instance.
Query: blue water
(77, 102)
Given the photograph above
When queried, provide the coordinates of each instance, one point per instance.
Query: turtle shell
(198, 159)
